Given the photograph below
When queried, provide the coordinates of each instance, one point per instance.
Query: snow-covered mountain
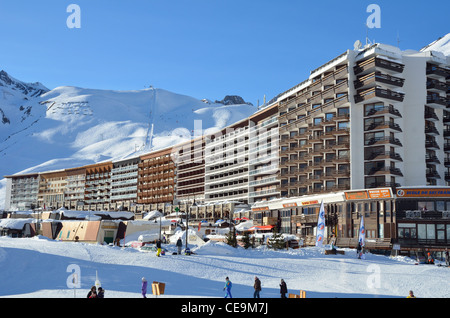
(440, 45)
(44, 130)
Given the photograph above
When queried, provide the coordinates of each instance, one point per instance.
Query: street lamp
(187, 224)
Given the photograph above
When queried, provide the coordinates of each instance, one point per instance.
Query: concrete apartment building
(75, 188)
(124, 181)
(189, 158)
(357, 122)
(156, 178)
(22, 191)
(98, 186)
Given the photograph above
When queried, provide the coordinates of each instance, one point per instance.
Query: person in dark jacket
(257, 287)
(158, 246)
(283, 288)
(92, 293)
(179, 245)
(101, 293)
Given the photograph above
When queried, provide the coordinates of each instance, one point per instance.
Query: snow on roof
(92, 214)
(15, 224)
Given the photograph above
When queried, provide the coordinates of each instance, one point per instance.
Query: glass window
(425, 205)
(343, 125)
(440, 205)
(343, 111)
(431, 233)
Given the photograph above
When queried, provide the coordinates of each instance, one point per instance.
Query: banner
(320, 226)
(362, 232)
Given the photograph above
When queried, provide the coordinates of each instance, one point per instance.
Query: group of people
(94, 293)
(256, 287)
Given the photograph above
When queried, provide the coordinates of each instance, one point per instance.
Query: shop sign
(423, 192)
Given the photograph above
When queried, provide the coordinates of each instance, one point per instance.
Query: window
(426, 231)
(407, 231)
(425, 206)
(343, 125)
(343, 111)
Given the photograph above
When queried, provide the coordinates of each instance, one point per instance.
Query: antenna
(357, 45)
(367, 37)
(398, 39)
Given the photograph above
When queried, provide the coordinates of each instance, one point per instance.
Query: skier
(257, 287)
(179, 245)
(144, 287)
(158, 246)
(227, 287)
(283, 289)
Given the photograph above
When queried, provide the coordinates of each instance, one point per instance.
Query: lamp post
(187, 222)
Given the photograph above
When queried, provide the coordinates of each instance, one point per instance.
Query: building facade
(156, 178)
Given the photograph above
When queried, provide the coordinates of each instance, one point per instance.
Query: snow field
(38, 267)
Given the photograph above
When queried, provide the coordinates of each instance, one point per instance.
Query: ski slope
(38, 267)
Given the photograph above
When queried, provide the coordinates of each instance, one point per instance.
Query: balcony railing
(384, 110)
(373, 92)
(383, 125)
(378, 62)
(378, 77)
(383, 140)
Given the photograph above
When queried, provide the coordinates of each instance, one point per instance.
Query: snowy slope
(38, 268)
(71, 126)
(440, 45)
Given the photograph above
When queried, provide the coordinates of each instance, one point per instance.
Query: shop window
(425, 205)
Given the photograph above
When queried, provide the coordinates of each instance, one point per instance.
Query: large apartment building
(357, 121)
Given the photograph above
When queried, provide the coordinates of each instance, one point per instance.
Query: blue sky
(201, 48)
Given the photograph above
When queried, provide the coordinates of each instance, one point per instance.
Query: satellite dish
(357, 45)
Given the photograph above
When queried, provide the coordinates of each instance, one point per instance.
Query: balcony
(431, 115)
(432, 174)
(432, 159)
(384, 171)
(379, 155)
(436, 71)
(364, 95)
(447, 147)
(431, 130)
(383, 185)
(436, 100)
(383, 125)
(436, 86)
(372, 63)
(431, 144)
(382, 141)
(378, 77)
(384, 110)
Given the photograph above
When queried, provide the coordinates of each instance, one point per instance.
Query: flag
(320, 226)
(362, 232)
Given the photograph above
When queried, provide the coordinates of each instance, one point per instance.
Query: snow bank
(215, 248)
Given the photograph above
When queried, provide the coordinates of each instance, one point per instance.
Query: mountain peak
(233, 100)
(29, 89)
